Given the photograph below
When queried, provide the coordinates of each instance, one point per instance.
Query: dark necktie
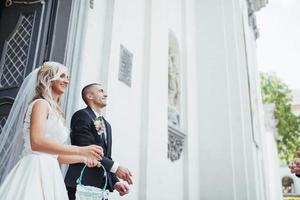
(102, 132)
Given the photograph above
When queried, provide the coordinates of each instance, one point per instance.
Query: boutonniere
(98, 123)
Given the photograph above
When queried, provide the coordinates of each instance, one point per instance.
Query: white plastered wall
(218, 121)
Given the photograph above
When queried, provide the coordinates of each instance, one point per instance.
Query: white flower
(98, 124)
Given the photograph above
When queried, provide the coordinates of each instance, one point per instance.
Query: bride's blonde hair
(49, 72)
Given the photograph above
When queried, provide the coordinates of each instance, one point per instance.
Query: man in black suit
(88, 126)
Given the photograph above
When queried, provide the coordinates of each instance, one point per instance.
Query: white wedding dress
(37, 176)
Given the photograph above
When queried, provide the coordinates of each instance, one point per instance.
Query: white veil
(11, 138)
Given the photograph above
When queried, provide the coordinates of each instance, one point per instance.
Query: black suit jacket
(83, 133)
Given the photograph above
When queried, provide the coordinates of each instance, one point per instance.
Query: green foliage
(288, 126)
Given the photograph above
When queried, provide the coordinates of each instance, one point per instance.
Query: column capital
(254, 6)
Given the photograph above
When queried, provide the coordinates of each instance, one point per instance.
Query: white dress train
(37, 175)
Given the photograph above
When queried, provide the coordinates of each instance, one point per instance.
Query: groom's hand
(122, 188)
(124, 174)
(90, 162)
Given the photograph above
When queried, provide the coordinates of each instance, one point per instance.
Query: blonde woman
(32, 140)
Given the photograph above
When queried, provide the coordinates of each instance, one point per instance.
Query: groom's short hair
(85, 90)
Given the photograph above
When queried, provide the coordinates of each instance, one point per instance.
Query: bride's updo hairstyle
(49, 72)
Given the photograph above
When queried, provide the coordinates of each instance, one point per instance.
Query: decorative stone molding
(9, 3)
(175, 144)
(91, 4)
(254, 6)
(253, 24)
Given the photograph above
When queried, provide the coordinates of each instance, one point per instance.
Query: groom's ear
(89, 96)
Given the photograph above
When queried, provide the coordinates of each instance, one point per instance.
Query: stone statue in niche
(173, 82)
(175, 126)
(173, 90)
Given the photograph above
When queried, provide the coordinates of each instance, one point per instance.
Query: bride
(32, 140)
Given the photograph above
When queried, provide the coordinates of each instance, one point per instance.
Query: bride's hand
(92, 151)
(90, 162)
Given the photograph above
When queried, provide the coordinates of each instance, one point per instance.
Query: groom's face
(99, 95)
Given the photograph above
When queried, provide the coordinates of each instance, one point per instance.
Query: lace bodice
(54, 130)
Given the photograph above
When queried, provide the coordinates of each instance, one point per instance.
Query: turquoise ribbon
(78, 181)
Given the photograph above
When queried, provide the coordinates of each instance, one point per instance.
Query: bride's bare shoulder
(40, 106)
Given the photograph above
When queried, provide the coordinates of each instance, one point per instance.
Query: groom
(88, 126)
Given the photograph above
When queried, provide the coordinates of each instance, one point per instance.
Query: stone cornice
(254, 6)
